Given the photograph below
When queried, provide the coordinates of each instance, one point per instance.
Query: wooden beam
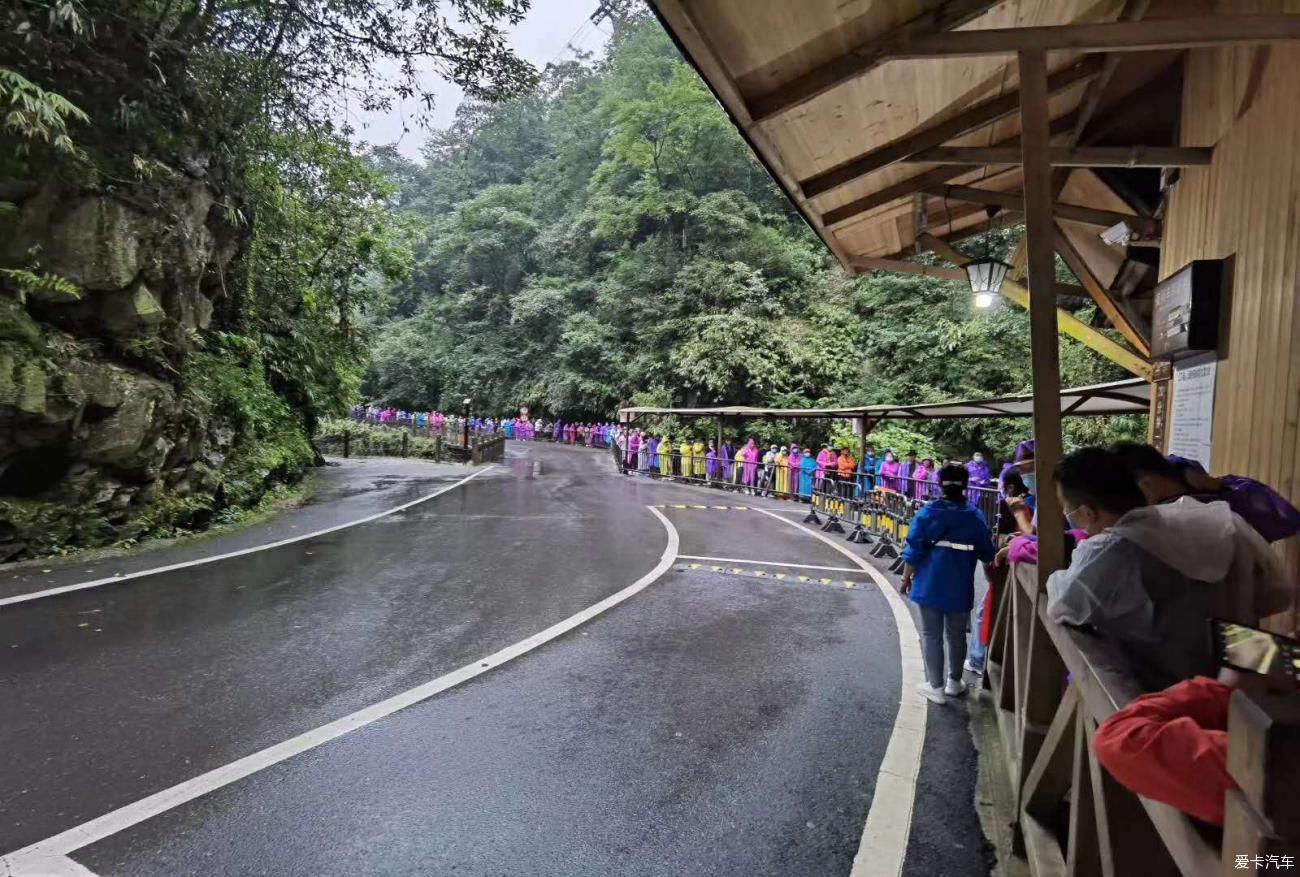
(917, 247)
(1043, 342)
(921, 219)
(1069, 324)
(1018, 255)
(1076, 263)
(864, 58)
(1048, 779)
(1133, 11)
(941, 132)
(1087, 156)
(933, 177)
(1016, 201)
(1083, 858)
(1115, 36)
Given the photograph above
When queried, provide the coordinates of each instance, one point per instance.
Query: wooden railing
(487, 448)
(1051, 686)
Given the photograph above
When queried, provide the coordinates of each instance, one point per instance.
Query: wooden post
(347, 444)
(406, 444)
(1043, 341)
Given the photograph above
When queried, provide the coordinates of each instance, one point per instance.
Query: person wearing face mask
(944, 541)
(783, 473)
(1022, 460)
(888, 474)
(1150, 578)
(807, 474)
(767, 480)
(867, 471)
(1015, 517)
(978, 470)
(907, 471)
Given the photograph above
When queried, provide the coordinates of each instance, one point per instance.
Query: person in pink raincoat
(826, 462)
(749, 456)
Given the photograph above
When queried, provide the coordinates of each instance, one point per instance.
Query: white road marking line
(126, 577)
(48, 866)
(889, 821)
(767, 563)
(31, 861)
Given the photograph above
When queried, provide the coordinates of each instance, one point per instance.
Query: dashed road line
(777, 576)
(702, 508)
(750, 562)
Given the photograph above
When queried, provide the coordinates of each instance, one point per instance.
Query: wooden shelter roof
(856, 114)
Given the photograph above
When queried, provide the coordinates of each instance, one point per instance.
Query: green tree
(609, 238)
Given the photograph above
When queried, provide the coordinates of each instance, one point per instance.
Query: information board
(1191, 413)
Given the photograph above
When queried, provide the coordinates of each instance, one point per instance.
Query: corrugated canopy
(1120, 397)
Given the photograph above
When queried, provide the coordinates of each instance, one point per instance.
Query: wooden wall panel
(1246, 205)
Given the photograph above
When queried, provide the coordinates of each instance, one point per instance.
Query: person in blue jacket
(944, 541)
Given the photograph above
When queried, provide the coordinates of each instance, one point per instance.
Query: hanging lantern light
(986, 274)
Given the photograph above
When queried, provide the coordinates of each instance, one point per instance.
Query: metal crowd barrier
(880, 510)
(774, 480)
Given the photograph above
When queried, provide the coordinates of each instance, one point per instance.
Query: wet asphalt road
(346, 490)
(712, 724)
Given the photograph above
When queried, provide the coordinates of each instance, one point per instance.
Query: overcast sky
(544, 36)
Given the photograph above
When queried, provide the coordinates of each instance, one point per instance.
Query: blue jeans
(936, 628)
(977, 648)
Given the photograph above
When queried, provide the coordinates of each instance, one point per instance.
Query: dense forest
(609, 239)
(199, 260)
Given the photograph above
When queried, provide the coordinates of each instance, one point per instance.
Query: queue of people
(430, 421)
(786, 471)
(1157, 548)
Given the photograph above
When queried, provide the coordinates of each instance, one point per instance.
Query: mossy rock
(8, 385)
(31, 388)
(17, 325)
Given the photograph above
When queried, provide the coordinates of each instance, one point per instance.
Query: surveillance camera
(1118, 235)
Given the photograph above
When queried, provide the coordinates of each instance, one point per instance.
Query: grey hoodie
(1154, 580)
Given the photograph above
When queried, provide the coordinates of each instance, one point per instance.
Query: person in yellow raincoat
(783, 472)
(685, 469)
(697, 454)
(665, 453)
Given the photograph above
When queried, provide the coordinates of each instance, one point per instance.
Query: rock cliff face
(105, 430)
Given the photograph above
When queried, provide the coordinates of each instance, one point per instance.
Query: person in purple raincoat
(978, 469)
(889, 471)
(652, 453)
(906, 472)
(1024, 453)
(632, 448)
(711, 463)
(724, 461)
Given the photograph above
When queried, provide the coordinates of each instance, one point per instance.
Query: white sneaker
(953, 688)
(932, 693)
(970, 668)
